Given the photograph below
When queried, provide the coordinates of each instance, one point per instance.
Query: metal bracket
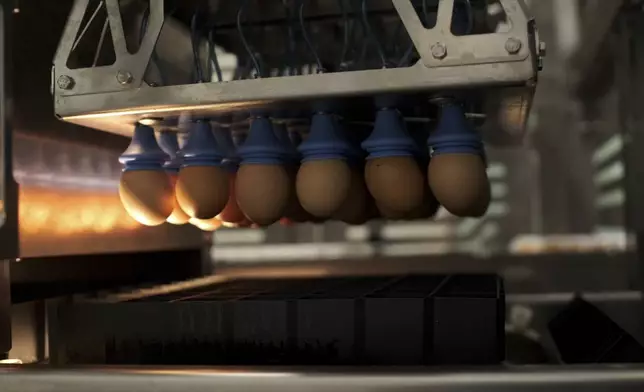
(507, 79)
(438, 47)
(127, 71)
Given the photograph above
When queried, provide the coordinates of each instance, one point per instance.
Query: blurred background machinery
(549, 275)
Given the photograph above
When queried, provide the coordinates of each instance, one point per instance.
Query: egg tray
(386, 320)
(479, 67)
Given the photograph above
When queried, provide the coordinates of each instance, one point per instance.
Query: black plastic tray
(393, 320)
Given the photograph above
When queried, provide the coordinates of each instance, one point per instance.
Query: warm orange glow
(65, 212)
(206, 224)
(286, 222)
(178, 216)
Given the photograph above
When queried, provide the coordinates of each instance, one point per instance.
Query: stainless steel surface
(3, 119)
(106, 78)
(528, 379)
(8, 189)
(29, 332)
(470, 49)
(5, 308)
(471, 62)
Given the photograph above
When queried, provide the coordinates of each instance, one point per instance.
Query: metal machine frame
(147, 101)
(113, 98)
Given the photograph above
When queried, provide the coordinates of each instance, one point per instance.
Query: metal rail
(526, 379)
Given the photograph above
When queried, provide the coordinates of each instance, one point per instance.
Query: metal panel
(528, 379)
(481, 61)
(8, 188)
(128, 69)
(8, 214)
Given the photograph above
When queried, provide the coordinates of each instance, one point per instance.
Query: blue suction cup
(201, 148)
(281, 133)
(169, 143)
(144, 152)
(325, 141)
(420, 132)
(227, 146)
(261, 145)
(355, 154)
(454, 134)
(389, 137)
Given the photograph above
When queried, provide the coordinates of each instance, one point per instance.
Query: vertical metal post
(566, 173)
(8, 196)
(5, 309)
(630, 80)
(8, 188)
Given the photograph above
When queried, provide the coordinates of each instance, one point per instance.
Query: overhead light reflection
(10, 362)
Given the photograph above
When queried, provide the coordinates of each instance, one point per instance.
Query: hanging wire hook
(251, 54)
(195, 48)
(154, 57)
(470, 17)
(406, 57)
(87, 25)
(425, 14)
(214, 59)
(291, 55)
(101, 41)
(393, 44)
(347, 34)
(372, 36)
(308, 41)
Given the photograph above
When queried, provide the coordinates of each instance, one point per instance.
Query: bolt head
(513, 45)
(65, 82)
(439, 51)
(124, 77)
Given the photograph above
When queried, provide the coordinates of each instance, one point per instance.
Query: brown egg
(323, 185)
(354, 209)
(428, 209)
(206, 224)
(372, 208)
(460, 183)
(397, 185)
(232, 214)
(178, 216)
(147, 195)
(389, 214)
(263, 192)
(294, 211)
(202, 191)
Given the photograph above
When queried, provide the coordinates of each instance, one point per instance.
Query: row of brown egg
(265, 179)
